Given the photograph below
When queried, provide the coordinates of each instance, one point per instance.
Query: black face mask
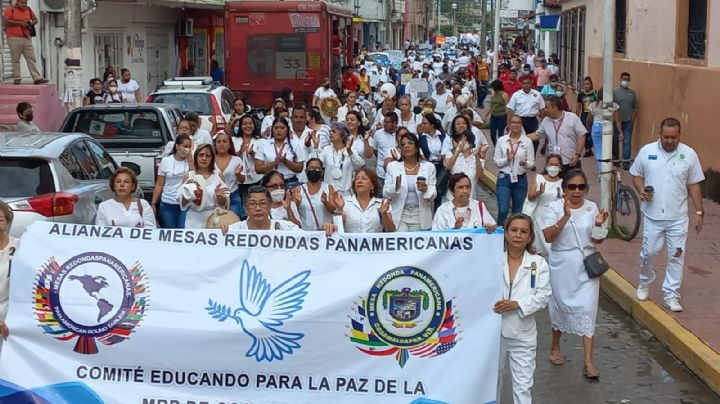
(417, 110)
(29, 117)
(314, 175)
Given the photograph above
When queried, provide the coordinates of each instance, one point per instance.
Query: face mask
(314, 175)
(361, 98)
(29, 117)
(113, 89)
(236, 130)
(625, 83)
(553, 171)
(560, 93)
(277, 195)
(427, 111)
(553, 84)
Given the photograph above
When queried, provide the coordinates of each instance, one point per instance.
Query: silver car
(58, 177)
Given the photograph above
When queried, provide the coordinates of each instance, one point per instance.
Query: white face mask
(553, 171)
(625, 83)
(560, 93)
(277, 195)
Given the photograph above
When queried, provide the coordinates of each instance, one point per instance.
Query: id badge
(513, 177)
(555, 149)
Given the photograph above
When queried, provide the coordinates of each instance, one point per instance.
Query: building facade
(672, 51)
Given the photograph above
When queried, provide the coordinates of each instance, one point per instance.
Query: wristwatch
(699, 212)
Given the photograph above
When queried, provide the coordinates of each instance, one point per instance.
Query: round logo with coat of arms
(405, 313)
(90, 296)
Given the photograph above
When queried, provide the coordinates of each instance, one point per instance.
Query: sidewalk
(692, 335)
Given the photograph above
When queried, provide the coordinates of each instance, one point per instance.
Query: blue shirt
(217, 74)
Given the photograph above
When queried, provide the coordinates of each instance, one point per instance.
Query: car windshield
(24, 177)
(115, 126)
(196, 102)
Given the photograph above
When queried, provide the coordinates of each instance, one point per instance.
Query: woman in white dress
(467, 156)
(544, 190)
(230, 168)
(408, 119)
(527, 291)
(314, 198)
(568, 226)
(246, 141)
(410, 185)
(339, 158)
(8, 246)
(357, 133)
(203, 190)
(124, 209)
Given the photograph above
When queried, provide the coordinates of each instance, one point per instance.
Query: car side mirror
(132, 166)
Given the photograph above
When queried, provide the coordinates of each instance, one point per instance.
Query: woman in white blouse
(313, 199)
(231, 169)
(408, 119)
(467, 155)
(514, 156)
(203, 190)
(568, 226)
(169, 182)
(435, 145)
(281, 153)
(8, 246)
(246, 141)
(124, 209)
(363, 211)
(353, 120)
(339, 158)
(546, 189)
(463, 211)
(410, 185)
(351, 105)
(282, 206)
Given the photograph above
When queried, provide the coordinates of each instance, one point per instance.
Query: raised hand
(288, 200)
(251, 151)
(601, 217)
(542, 188)
(338, 200)
(567, 208)
(459, 222)
(384, 206)
(296, 196)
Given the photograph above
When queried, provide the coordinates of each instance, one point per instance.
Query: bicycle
(624, 202)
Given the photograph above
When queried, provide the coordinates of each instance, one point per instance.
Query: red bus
(270, 45)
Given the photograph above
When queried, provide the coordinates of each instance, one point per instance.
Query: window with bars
(108, 52)
(572, 46)
(620, 25)
(697, 29)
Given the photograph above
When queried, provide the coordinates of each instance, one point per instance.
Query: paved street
(634, 367)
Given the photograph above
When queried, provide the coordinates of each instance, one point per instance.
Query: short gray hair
(342, 129)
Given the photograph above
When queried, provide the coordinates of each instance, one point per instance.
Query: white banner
(123, 315)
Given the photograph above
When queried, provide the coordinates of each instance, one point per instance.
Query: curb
(700, 358)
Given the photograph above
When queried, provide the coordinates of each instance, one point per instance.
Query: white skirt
(574, 301)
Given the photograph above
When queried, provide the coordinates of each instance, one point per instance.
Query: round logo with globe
(92, 296)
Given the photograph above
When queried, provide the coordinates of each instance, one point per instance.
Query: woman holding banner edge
(527, 290)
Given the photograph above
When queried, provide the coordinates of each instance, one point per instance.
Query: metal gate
(6, 67)
(158, 59)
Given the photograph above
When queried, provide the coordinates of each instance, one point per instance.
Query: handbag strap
(577, 237)
(312, 209)
(140, 210)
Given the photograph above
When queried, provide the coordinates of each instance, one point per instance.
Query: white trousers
(521, 353)
(410, 219)
(656, 233)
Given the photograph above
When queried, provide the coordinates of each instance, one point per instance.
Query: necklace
(413, 168)
(514, 258)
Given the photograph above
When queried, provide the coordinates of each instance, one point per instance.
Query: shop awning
(549, 22)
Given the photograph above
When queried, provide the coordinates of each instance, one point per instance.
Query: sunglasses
(575, 187)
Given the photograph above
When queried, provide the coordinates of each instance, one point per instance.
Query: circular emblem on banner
(92, 295)
(405, 307)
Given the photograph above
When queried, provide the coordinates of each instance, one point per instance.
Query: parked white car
(57, 177)
(212, 101)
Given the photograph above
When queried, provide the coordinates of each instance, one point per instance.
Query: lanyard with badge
(279, 151)
(513, 173)
(555, 149)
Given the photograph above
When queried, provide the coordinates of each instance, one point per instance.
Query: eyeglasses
(575, 187)
(276, 186)
(257, 204)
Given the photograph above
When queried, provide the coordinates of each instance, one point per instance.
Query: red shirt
(511, 88)
(505, 76)
(533, 78)
(18, 14)
(350, 82)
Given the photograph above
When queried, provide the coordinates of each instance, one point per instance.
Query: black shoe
(41, 81)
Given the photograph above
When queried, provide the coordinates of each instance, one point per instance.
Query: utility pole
(73, 42)
(454, 22)
(496, 40)
(607, 133)
(389, 37)
(483, 28)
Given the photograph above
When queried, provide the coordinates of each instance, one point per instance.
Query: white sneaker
(642, 292)
(673, 303)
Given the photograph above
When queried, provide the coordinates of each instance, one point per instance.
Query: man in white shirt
(25, 113)
(129, 88)
(563, 131)
(389, 105)
(529, 104)
(257, 202)
(383, 142)
(664, 173)
(460, 104)
(200, 136)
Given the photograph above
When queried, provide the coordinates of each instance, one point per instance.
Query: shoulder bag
(595, 264)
